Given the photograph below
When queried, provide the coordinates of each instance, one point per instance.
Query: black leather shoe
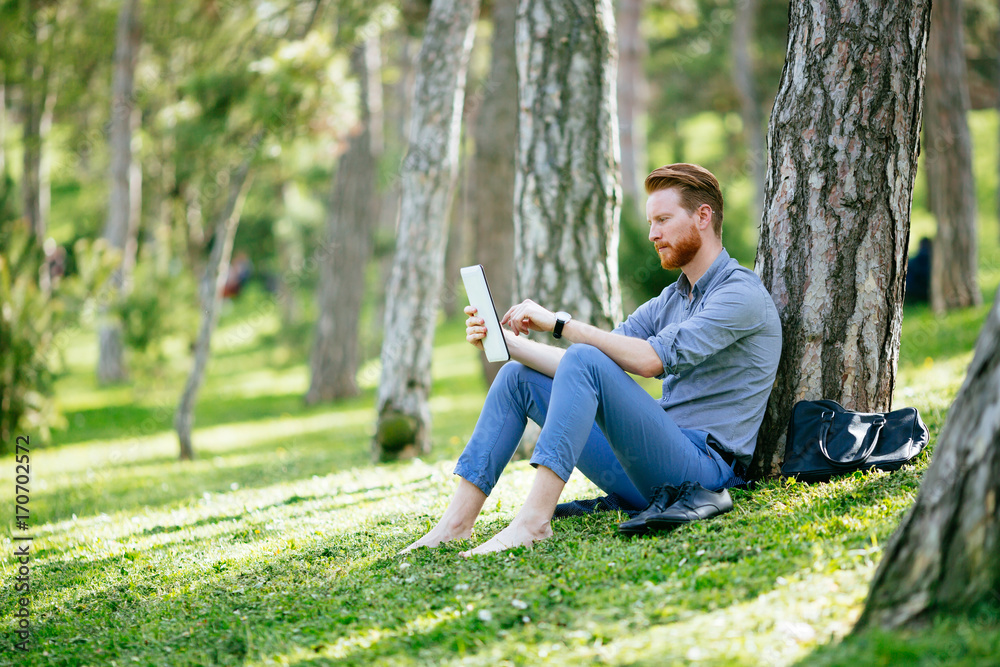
(663, 497)
(693, 502)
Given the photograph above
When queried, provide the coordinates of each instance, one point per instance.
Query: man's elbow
(651, 368)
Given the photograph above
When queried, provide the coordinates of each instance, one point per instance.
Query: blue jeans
(594, 417)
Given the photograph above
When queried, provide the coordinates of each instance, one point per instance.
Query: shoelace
(685, 491)
(663, 496)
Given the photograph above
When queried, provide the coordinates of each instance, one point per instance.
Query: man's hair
(695, 185)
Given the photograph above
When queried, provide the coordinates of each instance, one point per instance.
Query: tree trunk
(3, 128)
(38, 101)
(212, 283)
(743, 79)
(952, 189)
(567, 197)
(428, 183)
(291, 258)
(352, 216)
(495, 135)
(122, 222)
(398, 100)
(843, 154)
(632, 103)
(945, 556)
(460, 235)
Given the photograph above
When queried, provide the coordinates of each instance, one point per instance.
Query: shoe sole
(629, 532)
(667, 524)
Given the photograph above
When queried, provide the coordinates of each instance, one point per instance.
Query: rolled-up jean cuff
(554, 465)
(479, 481)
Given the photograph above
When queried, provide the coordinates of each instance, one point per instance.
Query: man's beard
(681, 252)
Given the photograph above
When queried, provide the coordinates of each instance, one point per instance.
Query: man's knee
(584, 356)
(511, 374)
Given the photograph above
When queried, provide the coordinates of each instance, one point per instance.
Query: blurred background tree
(696, 82)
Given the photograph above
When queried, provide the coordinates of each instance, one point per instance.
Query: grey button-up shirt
(719, 349)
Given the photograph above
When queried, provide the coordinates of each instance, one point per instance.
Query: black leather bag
(825, 440)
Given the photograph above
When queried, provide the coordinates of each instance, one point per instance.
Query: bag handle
(873, 433)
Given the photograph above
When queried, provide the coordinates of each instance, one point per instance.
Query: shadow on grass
(109, 422)
(346, 598)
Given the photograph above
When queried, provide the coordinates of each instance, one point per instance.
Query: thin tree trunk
(949, 163)
(212, 283)
(291, 259)
(428, 184)
(166, 204)
(117, 231)
(194, 229)
(567, 196)
(843, 154)
(743, 78)
(460, 235)
(495, 134)
(3, 127)
(131, 250)
(398, 102)
(352, 216)
(36, 111)
(632, 103)
(945, 555)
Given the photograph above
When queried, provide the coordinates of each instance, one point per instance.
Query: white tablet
(478, 290)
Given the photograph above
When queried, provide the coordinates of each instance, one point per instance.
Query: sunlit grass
(277, 544)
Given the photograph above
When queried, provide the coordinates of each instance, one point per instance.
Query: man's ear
(704, 216)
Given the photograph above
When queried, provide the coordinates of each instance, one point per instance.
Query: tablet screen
(478, 290)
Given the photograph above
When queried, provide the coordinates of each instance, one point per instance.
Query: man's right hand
(475, 327)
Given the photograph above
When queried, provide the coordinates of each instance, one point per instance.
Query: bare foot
(438, 535)
(516, 534)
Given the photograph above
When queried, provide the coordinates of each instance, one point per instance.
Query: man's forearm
(543, 358)
(635, 355)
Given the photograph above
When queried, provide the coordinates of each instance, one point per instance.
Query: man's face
(672, 229)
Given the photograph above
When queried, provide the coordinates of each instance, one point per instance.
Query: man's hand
(529, 316)
(475, 327)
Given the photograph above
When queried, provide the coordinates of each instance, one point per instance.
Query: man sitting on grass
(713, 336)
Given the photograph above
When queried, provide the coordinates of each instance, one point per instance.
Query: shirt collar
(684, 285)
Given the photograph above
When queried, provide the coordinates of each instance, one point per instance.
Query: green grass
(277, 544)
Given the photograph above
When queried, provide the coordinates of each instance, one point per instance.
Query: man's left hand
(529, 316)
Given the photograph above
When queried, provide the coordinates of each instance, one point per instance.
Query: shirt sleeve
(640, 323)
(726, 315)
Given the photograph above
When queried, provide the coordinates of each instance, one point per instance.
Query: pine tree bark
(832, 252)
(945, 555)
(743, 79)
(495, 135)
(212, 283)
(952, 188)
(428, 183)
(632, 103)
(121, 227)
(567, 196)
(352, 216)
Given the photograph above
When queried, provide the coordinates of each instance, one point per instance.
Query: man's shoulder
(738, 277)
(743, 288)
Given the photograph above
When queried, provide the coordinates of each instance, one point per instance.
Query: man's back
(720, 351)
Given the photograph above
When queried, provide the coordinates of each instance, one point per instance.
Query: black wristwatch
(562, 317)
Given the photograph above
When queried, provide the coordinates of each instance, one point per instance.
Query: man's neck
(697, 267)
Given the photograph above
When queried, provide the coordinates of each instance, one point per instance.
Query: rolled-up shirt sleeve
(725, 316)
(640, 323)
